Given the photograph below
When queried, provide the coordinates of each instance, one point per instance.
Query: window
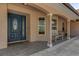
(41, 25)
(54, 24)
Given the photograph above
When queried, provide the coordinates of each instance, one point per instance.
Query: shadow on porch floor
(23, 49)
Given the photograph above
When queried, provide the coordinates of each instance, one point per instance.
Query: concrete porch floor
(67, 48)
(23, 49)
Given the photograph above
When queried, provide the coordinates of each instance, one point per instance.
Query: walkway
(67, 48)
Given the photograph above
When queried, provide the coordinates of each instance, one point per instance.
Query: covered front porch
(59, 28)
(46, 22)
(46, 28)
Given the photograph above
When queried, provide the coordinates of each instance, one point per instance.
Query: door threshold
(17, 41)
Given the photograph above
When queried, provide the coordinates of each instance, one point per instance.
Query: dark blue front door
(16, 27)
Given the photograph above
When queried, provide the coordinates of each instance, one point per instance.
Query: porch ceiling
(63, 10)
(56, 8)
(37, 7)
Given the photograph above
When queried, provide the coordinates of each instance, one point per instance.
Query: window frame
(42, 25)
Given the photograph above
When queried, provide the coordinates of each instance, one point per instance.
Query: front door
(16, 27)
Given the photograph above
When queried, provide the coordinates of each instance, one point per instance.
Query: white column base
(49, 45)
(68, 38)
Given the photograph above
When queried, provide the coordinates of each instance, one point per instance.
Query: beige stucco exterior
(3, 25)
(32, 16)
(19, 9)
(60, 25)
(74, 28)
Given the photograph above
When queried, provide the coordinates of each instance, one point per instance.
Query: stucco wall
(60, 21)
(3, 25)
(74, 28)
(46, 36)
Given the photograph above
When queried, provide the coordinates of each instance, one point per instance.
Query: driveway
(67, 48)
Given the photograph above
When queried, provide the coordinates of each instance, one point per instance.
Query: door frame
(8, 28)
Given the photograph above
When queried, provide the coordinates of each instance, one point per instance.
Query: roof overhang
(64, 9)
(71, 8)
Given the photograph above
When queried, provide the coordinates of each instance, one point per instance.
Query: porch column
(49, 44)
(68, 29)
